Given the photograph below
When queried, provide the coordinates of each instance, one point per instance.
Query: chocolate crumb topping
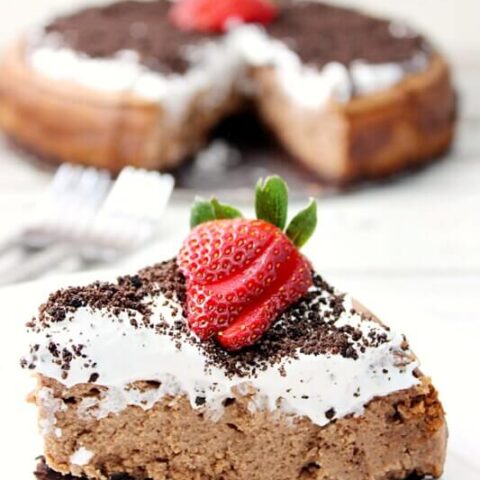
(139, 26)
(308, 327)
(131, 294)
(330, 413)
(319, 33)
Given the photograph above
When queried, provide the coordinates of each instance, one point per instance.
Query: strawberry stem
(271, 205)
(271, 201)
(207, 210)
(303, 225)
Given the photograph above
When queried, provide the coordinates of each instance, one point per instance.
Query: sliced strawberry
(217, 250)
(214, 15)
(240, 275)
(257, 319)
(249, 327)
(215, 306)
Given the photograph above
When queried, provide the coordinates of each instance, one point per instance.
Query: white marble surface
(409, 250)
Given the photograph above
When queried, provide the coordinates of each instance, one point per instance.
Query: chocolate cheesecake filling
(318, 33)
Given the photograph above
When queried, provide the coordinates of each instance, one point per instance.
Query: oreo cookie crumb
(322, 33)
(309, 327)
(134, 296)
(330, 413)
(141, 27)
(318, 33)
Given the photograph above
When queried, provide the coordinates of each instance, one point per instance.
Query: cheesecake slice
(349, 96)
(152, 378)
(329, 392)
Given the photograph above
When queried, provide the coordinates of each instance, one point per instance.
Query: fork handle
(34, 265)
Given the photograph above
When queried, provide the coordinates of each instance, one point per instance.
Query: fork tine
(133, 208)
(70, 203)
(85, 200)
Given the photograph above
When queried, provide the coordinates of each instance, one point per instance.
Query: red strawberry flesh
(214, 15)
(223, 301)
(240, 274)
(256, 319)
(216, 250)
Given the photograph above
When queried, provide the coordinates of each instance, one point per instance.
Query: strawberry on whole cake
(234, 361)
(143, 83)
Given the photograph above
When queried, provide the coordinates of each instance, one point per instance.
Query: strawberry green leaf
(223, 211)
(271, 201)
(303, 225)
(202, 211)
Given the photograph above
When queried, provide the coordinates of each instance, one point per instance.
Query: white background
(410, 250)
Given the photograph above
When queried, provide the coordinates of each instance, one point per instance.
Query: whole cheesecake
(350, 96)
(233, 361)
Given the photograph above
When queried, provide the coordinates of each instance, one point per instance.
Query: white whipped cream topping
(50, 406)
(216, 69)
(309, 385)
(81, 457)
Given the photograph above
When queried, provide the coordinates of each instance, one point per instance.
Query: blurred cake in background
(349, 96)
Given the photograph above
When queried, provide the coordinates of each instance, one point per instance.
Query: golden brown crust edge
(368, 138)
(398, 435)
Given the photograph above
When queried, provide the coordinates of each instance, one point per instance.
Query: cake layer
(147, 94)
(397, 435)
(370, 137)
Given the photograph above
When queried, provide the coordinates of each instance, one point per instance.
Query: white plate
(20, 443)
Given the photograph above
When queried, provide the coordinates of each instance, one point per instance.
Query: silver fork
(71, 201)
(83, 216)
(129, 217)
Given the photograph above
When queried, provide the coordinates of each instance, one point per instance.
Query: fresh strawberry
(241, 274)
(216, 250)
(238, 266)
(220, 290)
(214, 15)
(259, 316)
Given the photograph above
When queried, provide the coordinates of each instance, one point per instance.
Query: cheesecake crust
(396, 436)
